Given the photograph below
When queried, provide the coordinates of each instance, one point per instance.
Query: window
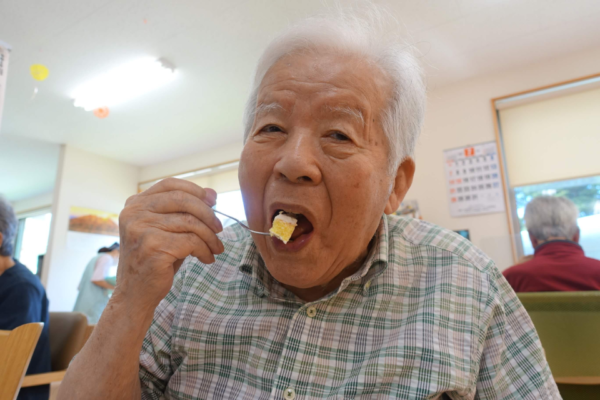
(549, 142)
(32, 240)
(230, 203)
(584, 192)
(223, 178)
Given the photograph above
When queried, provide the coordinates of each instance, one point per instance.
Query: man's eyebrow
(353, 112)
(265, 108)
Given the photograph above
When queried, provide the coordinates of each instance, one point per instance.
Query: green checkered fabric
(428, 316)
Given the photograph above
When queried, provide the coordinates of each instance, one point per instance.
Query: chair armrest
(43, 379)
(578, 380)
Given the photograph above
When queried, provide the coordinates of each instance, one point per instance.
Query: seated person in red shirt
(559, 263)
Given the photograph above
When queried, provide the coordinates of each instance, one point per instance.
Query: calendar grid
(473, 180)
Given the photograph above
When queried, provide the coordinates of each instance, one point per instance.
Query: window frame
(509, 193)
(201, 171)
(21, 218)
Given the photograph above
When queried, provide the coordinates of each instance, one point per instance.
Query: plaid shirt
(428, 316)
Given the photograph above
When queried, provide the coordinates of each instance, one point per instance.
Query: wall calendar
(473, 179)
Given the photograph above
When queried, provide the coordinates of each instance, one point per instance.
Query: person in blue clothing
(97, 283)
(22, 300)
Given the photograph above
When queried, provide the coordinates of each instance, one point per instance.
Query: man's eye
(271, 129)
(339, 136)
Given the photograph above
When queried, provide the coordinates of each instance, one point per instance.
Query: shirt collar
(252, 265)
(263, 283)
(557, 245)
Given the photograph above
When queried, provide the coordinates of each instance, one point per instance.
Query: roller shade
(221, 182)
(222, 178)
(552, 139)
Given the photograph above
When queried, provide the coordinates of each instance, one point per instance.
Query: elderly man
(22, 301)
(558, 263)
(358, 304)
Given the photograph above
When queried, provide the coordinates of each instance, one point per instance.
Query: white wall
(90, 181)
(33, 203)
(461, 114)
(27, 167)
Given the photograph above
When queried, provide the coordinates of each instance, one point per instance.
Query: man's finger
(211, 196)
(182, 202)
(166, 185)
(186, 223)
(177, 246)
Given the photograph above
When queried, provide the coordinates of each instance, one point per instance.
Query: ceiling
(215, 45)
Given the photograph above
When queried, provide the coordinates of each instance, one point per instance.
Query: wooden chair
(68, 333)
(16, 349)
(568, 324)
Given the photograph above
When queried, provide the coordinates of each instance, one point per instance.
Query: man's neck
(551, 239)
(6, 263)
(318, 292)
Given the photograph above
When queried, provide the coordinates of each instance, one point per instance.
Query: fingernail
(211, 196)
(219, 225)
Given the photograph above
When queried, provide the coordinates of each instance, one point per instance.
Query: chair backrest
(568, 324)
(16, 349)
(88, 332)
(67, 333)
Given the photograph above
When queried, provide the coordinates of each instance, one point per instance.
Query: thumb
(177, 264)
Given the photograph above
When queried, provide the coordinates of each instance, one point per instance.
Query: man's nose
(298, 161)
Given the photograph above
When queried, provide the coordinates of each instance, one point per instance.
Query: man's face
(317, 149)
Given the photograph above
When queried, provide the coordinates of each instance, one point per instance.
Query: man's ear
(402, 182)
(576, 236)
(1, 239)
(534, 241)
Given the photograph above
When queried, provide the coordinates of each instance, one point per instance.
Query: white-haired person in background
(359, 303)
(22, 301)
(559, 263)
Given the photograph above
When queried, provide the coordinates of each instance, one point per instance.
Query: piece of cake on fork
(283, 226)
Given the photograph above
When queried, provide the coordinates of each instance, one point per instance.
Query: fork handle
(240, 222)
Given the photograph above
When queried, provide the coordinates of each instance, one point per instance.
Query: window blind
(222, 178)
(553, 139)
(221, 182)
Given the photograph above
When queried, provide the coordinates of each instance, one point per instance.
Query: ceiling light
(123, 83)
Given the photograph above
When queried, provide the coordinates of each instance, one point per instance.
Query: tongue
(303, 226)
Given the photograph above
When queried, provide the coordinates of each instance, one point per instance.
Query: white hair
(366, 34)
(8, 227)
(548, 216)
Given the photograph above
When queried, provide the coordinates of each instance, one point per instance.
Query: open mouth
(303, 225)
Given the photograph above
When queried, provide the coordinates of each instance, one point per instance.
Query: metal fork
(240, 222)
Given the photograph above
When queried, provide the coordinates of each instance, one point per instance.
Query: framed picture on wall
(86, 220)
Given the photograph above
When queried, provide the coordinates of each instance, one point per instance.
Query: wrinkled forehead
(343, 82)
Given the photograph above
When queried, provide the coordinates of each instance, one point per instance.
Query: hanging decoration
(4, 53)
(39, 72)
(101, 112)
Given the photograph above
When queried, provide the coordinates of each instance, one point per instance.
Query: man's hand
(159, 228)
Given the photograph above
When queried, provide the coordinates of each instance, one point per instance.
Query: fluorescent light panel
(123, 83)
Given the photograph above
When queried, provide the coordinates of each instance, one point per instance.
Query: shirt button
(311, 312)
(289, 394)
